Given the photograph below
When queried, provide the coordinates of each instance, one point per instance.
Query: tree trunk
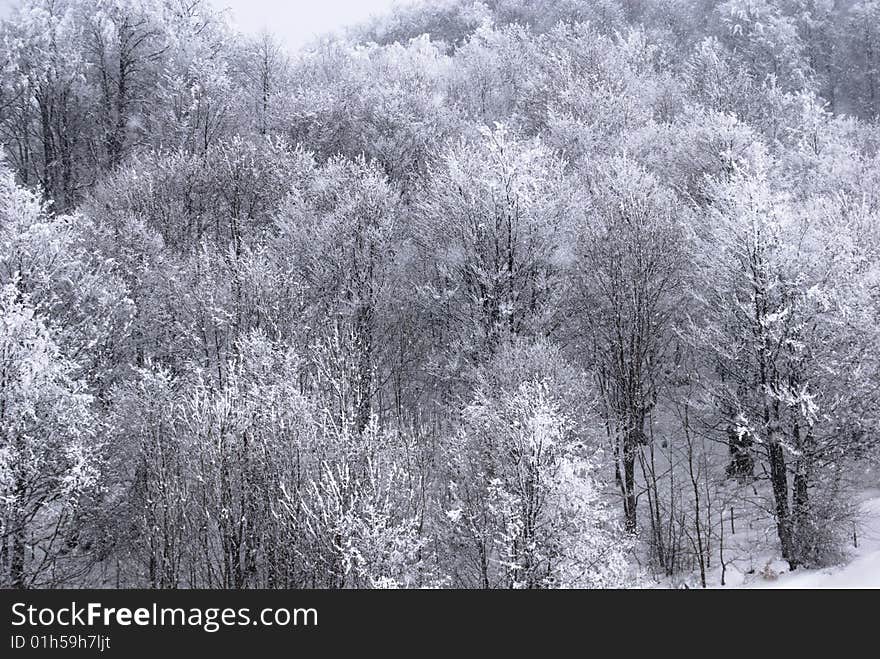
(629, 481)
(779, 482)
(16, 562)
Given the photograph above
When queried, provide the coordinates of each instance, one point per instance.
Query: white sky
(6, 7)
(293, 22)
(296, 22)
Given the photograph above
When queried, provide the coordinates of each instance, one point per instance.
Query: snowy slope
(863, 571)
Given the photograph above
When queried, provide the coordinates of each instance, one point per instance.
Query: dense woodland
(487, 294)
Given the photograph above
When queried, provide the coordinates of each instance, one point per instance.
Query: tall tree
(630, 261)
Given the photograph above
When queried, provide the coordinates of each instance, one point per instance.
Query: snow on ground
(752, 556)
(863, 570)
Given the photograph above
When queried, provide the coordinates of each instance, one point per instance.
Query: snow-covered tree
(781, 315)
(631, 258)
(49, 458)
(525, 507)
(489, 227)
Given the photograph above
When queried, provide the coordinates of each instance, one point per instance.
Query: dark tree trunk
(16, 562)
(800, 498)
(364, 333)
(629, 481)
(779, 482)
(742, 462)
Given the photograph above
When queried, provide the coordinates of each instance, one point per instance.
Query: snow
(863, 570)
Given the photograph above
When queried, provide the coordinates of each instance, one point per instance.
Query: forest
(476, 294)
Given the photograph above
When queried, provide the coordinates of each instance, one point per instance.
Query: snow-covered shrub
(526, 507)
(48, 454)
